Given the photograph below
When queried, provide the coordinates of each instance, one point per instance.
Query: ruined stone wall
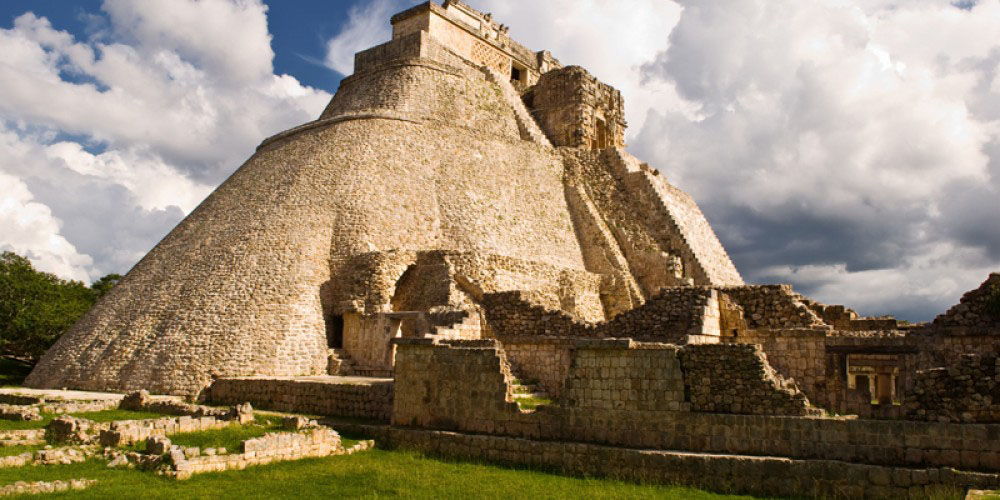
(799, 355)
(545, 359)
(347, 399)
(721, 378)
(977, 309)
(670, 316)
(965, 391)
(773, 307)
(756, 475)
(479, 402)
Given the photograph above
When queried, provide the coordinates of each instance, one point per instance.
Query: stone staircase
(339, 363)
(681, 213)
(526, 124)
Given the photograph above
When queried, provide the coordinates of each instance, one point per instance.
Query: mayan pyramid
(453, 163)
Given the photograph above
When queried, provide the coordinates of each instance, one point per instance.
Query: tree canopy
(37, 307)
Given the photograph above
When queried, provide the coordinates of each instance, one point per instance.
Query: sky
(848, 147)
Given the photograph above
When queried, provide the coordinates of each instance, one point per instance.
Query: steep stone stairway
(530, 131)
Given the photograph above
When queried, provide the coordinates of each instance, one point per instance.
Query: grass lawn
(371, 474)
(9, 451)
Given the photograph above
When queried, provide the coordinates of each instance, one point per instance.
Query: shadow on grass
(13, 371)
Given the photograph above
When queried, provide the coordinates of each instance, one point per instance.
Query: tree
(36, 307)
(104, 285)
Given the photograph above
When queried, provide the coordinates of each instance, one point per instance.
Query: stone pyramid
(454, 162)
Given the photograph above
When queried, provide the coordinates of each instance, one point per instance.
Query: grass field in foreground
(371, 474)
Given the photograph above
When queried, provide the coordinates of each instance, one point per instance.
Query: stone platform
(339, 396)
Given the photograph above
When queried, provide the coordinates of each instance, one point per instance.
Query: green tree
(36, 307)
(104, 285)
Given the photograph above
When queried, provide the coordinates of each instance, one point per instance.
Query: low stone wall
(765, 476)
(61, 408)
(977, 309)
(626, 376)
(20, 399)
(142, 401)
(51, 456)
(966, 391)
(127, 432)
(343, 399)
(721, 378)
(797, 354)
(19, 413)
(38, 487)
(273, 447)
(26, 437)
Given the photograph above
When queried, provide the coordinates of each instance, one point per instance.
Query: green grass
(372, 474)
(9, 451)
(228, 437)
(13, 372)
(532, 402)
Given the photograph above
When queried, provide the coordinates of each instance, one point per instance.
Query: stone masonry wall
(545, 359)
(773, 307)
(965, 391)
(479, 401)
(641, 378)
(721, 378)
(371, 400)
(763, 476)
(799, 355)
(576, 110)
(670, 316)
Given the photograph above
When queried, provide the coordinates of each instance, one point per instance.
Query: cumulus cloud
(850, 148)
(29, 229)
(113, 138)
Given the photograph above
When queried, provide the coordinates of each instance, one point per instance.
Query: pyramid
(453, 163)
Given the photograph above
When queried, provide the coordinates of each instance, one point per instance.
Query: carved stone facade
(576, 110)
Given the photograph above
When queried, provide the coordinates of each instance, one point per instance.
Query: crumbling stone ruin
(462, 228)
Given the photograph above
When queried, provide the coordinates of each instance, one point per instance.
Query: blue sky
(301, 29)
(848, 147)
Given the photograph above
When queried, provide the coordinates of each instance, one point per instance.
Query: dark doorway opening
(335, 331)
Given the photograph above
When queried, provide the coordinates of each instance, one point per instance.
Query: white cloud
(120, 134)
(367, 26)
(834, 140)
(29, 229)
